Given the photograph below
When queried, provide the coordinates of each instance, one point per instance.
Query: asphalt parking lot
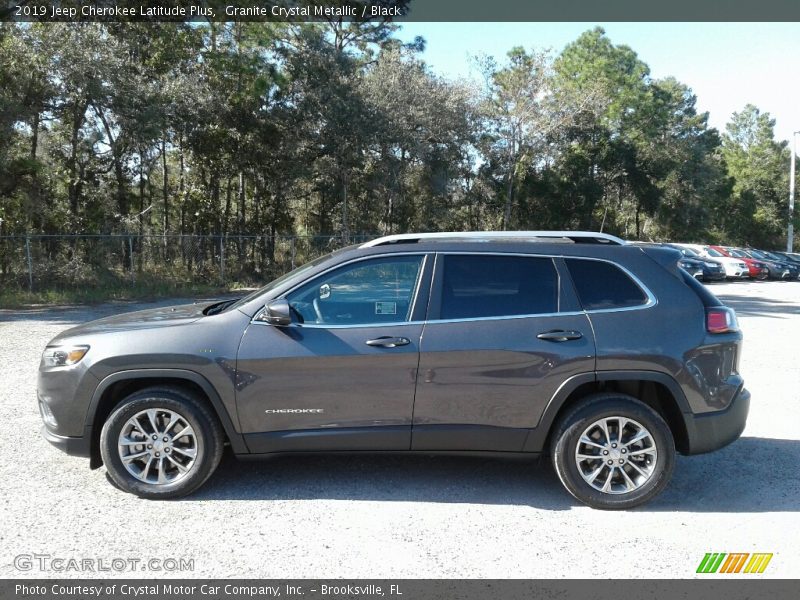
(392, 517)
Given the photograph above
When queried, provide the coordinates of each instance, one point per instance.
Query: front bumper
(74, 446)
(779, 273)
(714, 430)
(709, 275)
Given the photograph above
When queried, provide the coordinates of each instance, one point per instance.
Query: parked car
(734, 267)
(777, 269)
(756, 269)
(692, 267)
(794, 268)
(792, 259)
(602, 354)
(712, 269)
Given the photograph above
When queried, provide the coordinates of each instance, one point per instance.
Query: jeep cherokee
(604, 355)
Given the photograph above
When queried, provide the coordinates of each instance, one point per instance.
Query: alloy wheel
(616, 455)
(158, 446)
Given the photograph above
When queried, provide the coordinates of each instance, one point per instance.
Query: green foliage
(339, 128)
(755, 212)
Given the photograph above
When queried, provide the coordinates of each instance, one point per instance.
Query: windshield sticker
(386, 308)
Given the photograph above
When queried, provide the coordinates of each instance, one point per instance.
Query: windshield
(773, 256)
(276, 282)
(686, 251)
(737, 254)
(756, 254)
(714, 253)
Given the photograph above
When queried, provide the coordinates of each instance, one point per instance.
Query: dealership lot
(385, 516)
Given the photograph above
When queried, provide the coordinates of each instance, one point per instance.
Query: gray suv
(605, 355)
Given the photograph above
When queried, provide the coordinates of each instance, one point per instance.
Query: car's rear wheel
(613, 452)
(161, 443)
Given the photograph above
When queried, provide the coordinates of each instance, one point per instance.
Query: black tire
(565, 440)
(208, 434)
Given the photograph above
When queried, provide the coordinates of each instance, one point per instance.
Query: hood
(727, 259)
(690, 261)
(166, 316)
(712, 261)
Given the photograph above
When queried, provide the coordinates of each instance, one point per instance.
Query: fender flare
(236, 439)
(538, 436)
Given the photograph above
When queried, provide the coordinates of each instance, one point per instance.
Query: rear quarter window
(603, 285)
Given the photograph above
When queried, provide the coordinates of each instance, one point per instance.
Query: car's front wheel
(613, 452)
(161, 443)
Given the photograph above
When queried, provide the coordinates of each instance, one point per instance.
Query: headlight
(63, 356)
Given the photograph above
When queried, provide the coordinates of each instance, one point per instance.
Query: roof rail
(578, 237)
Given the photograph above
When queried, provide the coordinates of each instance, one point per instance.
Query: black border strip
(710, 587)
(402, 10)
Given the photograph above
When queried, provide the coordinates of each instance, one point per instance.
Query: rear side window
(475, 286)
(602, 285)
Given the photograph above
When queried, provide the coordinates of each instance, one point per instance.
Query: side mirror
(278, 313)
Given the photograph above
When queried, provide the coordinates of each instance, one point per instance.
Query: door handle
(560, 335)
(389, 342)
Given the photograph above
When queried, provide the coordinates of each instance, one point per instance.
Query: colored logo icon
(737, 562)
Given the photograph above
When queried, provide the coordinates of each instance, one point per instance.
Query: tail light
(721, 319)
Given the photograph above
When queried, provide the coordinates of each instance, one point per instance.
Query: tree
(758, 165)
(523, 108)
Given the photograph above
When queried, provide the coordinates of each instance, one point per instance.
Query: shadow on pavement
(758, 306)
(750, 475)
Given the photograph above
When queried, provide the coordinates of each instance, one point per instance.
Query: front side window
(475, 286)
(603, 285)
(373, 291)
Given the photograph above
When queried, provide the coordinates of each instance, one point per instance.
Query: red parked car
(757, 269)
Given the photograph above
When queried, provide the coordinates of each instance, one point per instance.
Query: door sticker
(324, 291)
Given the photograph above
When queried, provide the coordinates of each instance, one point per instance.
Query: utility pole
(790, 236)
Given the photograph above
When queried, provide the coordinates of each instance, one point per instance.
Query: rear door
(504, 332)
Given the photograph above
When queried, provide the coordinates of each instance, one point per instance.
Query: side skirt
(431, 439)
(515, 456)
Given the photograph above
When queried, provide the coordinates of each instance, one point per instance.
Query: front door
(500, 342)
(343, 375)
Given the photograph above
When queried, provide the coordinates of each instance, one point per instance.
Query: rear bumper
(74, 446)
(712, 431)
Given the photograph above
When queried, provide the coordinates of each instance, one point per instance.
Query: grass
(149, 289)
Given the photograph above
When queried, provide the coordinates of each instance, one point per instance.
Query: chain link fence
(35, 263)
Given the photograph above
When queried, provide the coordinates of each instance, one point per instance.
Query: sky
(727, 65)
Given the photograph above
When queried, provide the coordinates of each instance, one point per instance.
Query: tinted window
(603, 285)
(494, 286)
(685, 251)
(371, 291)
